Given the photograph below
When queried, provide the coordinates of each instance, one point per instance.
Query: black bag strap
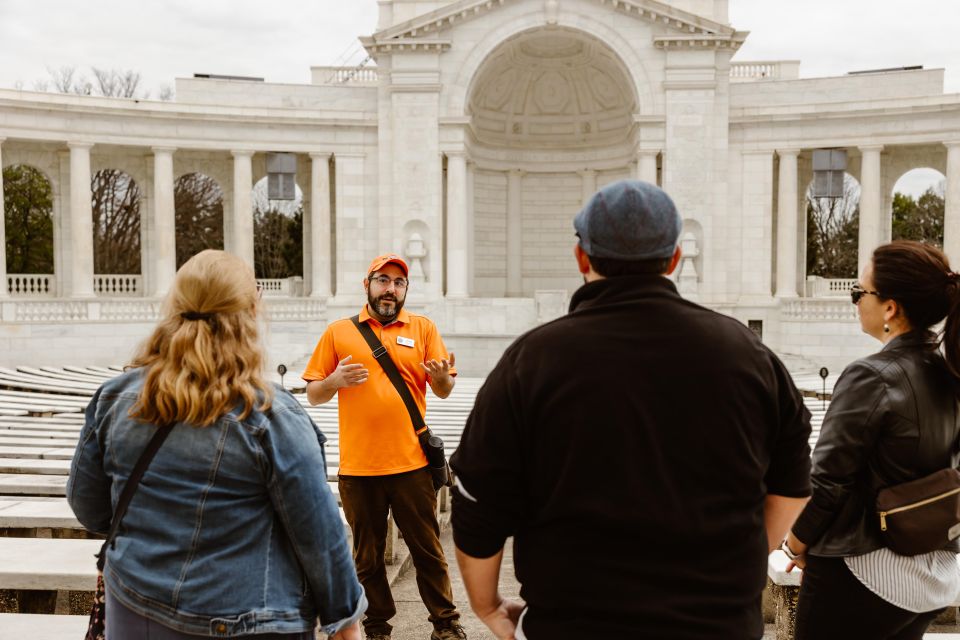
(131, 487)
(386, 362)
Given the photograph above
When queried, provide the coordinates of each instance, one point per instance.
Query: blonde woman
(233, 530)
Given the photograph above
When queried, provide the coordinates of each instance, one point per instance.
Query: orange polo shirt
(376, 434)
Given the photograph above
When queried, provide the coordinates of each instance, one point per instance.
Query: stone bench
(785, 588)
(18, 626)
(40, 575)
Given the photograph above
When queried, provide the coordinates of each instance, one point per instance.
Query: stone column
(79, 263)
(164, 250)
(3, 233)
(241, 241)
(471, 224)
(647, 166)
(514, 233)
(320, 267)
(588, 184)
(787, 225)
(951, 217)
(870, 203)
(457, 249)
(353, 252)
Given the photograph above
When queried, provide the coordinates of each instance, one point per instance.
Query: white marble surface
(48, 564)
(16, 626)
(28, 514)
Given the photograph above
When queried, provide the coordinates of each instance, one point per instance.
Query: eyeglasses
(384, 281)
(857, 292)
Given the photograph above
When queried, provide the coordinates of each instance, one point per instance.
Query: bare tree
(116, 222)
(277, 234)
(833, 226)
(62, 78)
(198, 201)
(114, 83)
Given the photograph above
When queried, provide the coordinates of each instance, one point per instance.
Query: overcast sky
(280, 39)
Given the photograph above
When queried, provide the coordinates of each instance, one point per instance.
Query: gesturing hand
(349, 375)
(439, 369)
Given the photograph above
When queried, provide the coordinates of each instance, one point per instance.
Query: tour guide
(382, 466)
(646, 453)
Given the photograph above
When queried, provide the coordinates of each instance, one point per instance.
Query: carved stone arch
(571, 17)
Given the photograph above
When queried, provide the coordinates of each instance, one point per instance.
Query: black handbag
(431, 444)
(922, 515)
(96, 630)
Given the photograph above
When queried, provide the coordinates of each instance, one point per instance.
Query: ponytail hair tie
(195, 315)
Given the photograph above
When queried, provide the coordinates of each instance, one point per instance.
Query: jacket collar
(620, 289)
(920, 338)
(402, 318)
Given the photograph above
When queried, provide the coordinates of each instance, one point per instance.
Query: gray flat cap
(629, 220)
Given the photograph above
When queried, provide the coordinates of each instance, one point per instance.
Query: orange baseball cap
(385, 259)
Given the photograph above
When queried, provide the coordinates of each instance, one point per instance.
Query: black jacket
(894, 418)
(628, 447)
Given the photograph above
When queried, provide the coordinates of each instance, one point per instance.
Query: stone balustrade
(819, 310)
(31, 284)
(345, 75)
(764, 70)
(137, 310)
(113, 285)
(818, 287)
(292, 286)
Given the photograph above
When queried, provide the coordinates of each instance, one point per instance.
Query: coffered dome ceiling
(552, 88)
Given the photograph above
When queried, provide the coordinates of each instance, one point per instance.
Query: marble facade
(469, 147)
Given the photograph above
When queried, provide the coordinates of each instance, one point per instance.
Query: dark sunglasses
(857, 292)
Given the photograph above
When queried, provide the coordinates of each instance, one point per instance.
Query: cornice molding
(434, 22)
(728, 43)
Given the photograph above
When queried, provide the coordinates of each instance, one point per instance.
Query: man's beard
(387, 311)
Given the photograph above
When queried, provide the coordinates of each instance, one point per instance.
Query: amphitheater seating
(41, 415)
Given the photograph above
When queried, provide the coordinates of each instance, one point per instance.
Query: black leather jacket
(894, 418)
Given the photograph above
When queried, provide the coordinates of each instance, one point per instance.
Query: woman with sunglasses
(233, 530)
(894, 418)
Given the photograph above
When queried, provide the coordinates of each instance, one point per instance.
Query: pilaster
(514, 282)
(787, 224)
(457, 237)
(870, 202)
(164, 240)
(319, 240)
(951, 218)
(79, 277)
(238, 237)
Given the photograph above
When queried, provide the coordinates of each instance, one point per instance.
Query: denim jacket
(233, 530)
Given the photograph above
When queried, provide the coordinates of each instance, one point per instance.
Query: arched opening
(551, 119)
(198, 201)
(918, 206)
(278, 241)
(116, 233)
(28, 223)
(833, 228)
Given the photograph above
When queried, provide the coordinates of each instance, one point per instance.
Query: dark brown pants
(366, 501)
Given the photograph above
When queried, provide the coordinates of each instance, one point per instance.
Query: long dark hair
(918, 277)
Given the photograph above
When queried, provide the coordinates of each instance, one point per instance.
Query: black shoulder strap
(386, 362)
(131, 487)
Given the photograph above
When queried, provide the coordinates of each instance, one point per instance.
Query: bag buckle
(379, 351)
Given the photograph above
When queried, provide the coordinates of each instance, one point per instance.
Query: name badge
(406, 342)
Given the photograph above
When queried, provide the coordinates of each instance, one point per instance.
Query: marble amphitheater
(467, 143)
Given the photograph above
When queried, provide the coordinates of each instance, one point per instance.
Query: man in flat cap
(644, 452)
(382, 465)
